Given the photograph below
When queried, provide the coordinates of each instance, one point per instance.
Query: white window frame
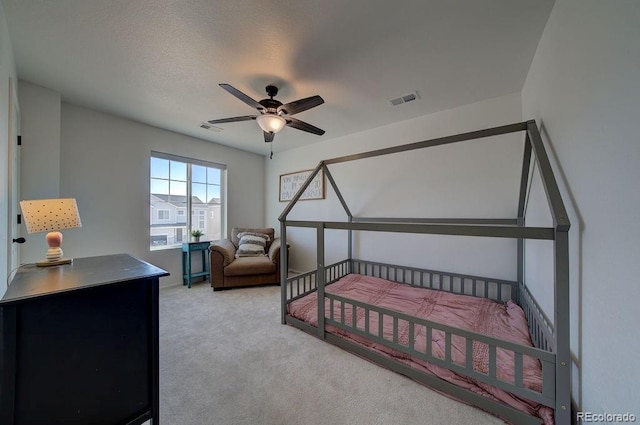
(223, 190)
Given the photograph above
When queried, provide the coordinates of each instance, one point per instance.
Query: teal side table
(187, 249)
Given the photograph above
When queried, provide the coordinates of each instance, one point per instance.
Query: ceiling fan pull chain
(271, 156)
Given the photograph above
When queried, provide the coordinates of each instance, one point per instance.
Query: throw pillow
(251, 244)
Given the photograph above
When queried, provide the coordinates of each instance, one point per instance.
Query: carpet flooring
(225, 359)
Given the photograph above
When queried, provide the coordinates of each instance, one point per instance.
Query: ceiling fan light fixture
(271, 123)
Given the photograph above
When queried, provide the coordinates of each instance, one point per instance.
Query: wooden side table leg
(189, 267)
(204, 265)
(184, 268)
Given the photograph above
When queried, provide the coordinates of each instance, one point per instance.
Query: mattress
(479, 315)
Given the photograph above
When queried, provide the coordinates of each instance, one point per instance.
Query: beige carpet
(226, 359)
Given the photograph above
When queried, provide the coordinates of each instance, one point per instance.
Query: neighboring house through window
(185, 194)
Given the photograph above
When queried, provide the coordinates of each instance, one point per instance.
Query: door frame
(13, 181)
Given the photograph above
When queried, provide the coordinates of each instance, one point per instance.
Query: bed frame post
(320, 279)
(350, 246)
(522, 206)
(561, 323)
(284, 261)
(520, 277)
(561, 224)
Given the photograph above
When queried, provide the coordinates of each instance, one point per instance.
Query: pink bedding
(503, 321)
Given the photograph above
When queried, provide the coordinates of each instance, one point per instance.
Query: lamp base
(48, 263)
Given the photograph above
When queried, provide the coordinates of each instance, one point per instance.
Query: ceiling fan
(274, 115)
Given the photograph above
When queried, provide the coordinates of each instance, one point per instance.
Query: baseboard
(170, 285)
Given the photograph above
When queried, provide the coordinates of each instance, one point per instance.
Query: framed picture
(290, 183)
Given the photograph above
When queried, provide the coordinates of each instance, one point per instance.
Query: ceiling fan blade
(233, 119)
(301, 125)
(298, 106)
(268, 137)
(243, 97)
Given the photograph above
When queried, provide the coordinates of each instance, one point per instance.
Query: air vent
(404, 99)
(211, 127)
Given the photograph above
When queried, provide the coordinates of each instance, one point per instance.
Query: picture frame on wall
(290, 183)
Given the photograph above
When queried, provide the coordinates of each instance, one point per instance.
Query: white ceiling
(160, 61)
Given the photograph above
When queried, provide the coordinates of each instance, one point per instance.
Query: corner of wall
(7, 73)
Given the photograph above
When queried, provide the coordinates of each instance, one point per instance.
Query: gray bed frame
(551, 342)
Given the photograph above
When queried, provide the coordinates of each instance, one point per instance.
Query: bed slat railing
(345, 317)
(494, 289)
(305, 283)
(300, 285)
(540, 327)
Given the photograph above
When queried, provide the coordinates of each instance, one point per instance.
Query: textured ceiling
(159, 61)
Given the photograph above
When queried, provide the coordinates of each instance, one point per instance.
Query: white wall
(104, 164)
(7, 71)
(476, 179)
(40, 116)
(584, 89)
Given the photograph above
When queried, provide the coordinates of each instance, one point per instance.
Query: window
(185, 194)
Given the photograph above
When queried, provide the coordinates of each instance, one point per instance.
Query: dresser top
(31, 281)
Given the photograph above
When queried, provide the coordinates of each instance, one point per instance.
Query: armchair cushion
(252, 244)
(237, 230)
(245, 266)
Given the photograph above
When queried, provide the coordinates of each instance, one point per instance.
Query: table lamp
(51, 215)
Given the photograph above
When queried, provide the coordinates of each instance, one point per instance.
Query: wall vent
(404, 99)
(210, 127)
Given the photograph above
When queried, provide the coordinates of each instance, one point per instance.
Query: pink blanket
(503, 321)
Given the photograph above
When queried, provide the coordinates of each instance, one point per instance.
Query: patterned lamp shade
(49, 215)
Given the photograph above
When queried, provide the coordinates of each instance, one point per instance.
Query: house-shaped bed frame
(551, 341)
